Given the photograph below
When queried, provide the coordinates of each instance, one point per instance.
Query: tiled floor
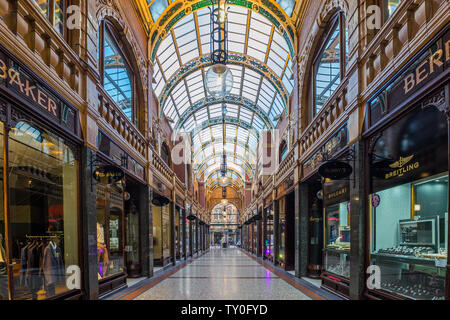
(223, 274)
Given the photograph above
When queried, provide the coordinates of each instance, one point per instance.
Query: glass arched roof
(257, 98)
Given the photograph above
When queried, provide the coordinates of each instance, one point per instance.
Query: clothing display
(100, 234)
(41, 265)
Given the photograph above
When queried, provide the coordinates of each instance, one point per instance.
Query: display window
(43, 213)
(282, 229)
(188, 249)
(161, 233)
(132, 231)
(110, 253)
(337, 227)
(409, 205)
(269, 240)
(337, 233)
(195, 236)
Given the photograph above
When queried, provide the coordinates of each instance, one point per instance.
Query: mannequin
(102, 252)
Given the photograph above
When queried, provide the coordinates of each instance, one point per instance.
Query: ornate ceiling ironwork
(177, 10)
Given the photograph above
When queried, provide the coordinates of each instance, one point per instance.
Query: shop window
(43, 197)
(269, 241)
(282, 229)
(337, 250)
(3, 258)
(409, 205)
(55, 11)
(329, 63)
(109, 230)
(283, 151)
(117, 74)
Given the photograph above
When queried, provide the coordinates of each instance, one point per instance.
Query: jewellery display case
(415, 268)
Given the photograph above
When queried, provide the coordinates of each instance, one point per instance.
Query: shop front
(286, 224)
(336, 252)
(120, 182)
(312, 209)
(408, 165)
(269, 233)
(162, 239)
(40, 143)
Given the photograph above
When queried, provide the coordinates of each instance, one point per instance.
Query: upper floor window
(165, 153)
(55, 11)
(116, 73)
(389, 6)
(283, 150)
(329, 63)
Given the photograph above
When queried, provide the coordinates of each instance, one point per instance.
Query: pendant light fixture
(219, 79)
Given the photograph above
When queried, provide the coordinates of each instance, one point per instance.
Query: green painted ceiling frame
(177, 10)
(225, 120)
(215, 141)
(234, 58)
(230, 99)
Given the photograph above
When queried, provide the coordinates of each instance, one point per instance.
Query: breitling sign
(402, 166)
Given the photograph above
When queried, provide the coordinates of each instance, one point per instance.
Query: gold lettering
(4, 74)
(435, 59)
(14, 77)
(421, 74)
(29, 90)
(41, 99)
(52, 106)
(409, 83)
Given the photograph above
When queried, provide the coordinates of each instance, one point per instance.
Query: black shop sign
(335, 170)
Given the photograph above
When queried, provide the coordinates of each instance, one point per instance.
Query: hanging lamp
(219, 79)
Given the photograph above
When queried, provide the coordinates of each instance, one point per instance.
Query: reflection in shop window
(43, 190)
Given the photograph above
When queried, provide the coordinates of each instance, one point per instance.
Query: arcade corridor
(225, 274)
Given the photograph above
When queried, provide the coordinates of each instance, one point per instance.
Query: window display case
(337, 249)
(412, 252)
(269, 241)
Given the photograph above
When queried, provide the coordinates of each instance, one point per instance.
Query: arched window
(165, 153)
(116, 73)
(329, 63)
(283, 150)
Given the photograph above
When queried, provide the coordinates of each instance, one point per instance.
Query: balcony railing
(117, 121)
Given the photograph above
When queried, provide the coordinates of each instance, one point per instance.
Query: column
(276, 230)
(146, 230)
(301, 229)
(191, 242)
(357, 225)
(89, 268)
(173, 236)
(183, 234)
